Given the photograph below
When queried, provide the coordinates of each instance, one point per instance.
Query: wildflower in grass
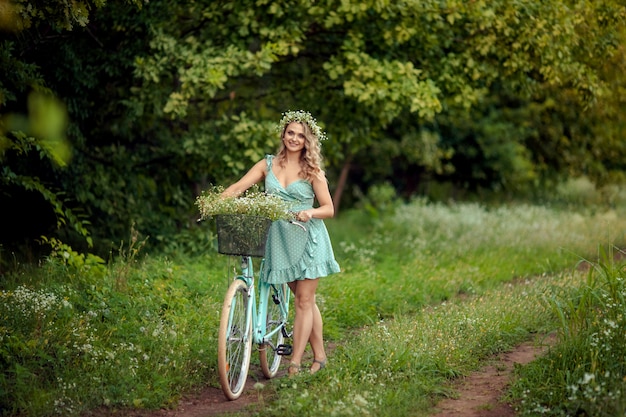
(27, 302)
(587, 378)
(360, 401)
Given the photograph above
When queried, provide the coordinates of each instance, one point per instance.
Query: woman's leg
(317, 340)
(307, 320)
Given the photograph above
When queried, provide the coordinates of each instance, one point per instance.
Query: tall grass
(140, 332)
(76, 339)
(585, 375)
(430, 252)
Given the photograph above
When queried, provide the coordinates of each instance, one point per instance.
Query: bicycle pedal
(284, 350)
(285, 333)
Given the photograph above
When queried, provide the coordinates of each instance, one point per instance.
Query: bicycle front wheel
(235, 340)
(277, 310)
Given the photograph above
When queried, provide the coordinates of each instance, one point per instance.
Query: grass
(585, 374)
(398, 367)
(425, 295)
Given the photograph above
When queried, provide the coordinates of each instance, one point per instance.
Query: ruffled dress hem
(299, 272)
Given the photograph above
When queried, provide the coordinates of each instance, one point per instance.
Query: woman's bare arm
(253, 176)
(326, 208)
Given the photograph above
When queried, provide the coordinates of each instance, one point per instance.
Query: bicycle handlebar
(297, 224)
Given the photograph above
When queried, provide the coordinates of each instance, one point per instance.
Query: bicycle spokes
(235, 340)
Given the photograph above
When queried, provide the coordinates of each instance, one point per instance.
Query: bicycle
(243, 321)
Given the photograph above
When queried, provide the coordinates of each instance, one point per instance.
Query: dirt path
(207, 403)
(478, 394)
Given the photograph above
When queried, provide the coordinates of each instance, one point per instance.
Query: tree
(168, 97)
(34, 148)
(396, 72)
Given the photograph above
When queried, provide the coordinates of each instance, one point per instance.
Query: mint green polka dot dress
(292, 253)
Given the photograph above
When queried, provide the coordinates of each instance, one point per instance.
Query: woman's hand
(304, 216)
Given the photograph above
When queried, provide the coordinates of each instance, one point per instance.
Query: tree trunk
(341, 183)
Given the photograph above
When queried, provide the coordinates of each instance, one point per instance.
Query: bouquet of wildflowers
(242, 222)
(252, 203)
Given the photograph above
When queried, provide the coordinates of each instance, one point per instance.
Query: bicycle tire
(275, 318)
(235, 340)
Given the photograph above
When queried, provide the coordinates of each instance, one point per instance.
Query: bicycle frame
(258, 321)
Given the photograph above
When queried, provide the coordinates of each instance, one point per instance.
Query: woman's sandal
(321, 363)
(293, 369)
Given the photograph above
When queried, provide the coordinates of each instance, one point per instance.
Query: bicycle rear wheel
(277, 310)
(235, 340)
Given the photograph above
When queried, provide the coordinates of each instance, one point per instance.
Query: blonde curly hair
(311, 160)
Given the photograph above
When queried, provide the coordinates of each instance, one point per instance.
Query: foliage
(38, 137)
(372, 57)
(80, 262)
(586, 370)
(40, 134)
(57, 13)
(381, 199)
(83, 340)
(166, 97)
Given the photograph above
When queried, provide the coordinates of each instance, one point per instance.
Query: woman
(292, 256)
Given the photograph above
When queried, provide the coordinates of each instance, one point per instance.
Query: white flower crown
(302, 117)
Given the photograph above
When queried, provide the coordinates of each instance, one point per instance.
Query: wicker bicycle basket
(241, 234)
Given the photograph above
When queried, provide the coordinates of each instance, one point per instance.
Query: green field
(427, 292)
